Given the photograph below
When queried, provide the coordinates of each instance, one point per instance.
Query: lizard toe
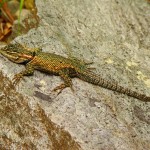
(16, 79)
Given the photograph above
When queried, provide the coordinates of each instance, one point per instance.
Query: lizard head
(18, 53)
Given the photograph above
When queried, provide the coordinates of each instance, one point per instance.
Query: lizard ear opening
(34, 53)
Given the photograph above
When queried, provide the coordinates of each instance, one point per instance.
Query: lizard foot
(89, 68)
(17, 78)
(61, 87)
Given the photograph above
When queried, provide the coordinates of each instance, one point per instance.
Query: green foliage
(20, 10)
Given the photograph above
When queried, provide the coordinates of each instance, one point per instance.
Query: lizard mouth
(13, 58)
(8, 55)
(20, 58)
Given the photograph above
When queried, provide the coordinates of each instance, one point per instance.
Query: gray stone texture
(115, 36)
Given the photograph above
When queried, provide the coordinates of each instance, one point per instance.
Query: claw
(17, 78)
(61, 87)
(88, 63)
(91, 68)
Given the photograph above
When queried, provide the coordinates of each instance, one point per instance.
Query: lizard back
(51, 63)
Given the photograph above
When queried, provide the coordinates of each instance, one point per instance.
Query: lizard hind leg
(88, 67)
(67, 81)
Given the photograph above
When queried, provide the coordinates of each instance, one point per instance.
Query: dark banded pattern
(91, 77)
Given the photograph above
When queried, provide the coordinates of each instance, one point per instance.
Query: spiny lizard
(66, 68)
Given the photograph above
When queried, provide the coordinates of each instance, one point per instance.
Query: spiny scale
(35, 59)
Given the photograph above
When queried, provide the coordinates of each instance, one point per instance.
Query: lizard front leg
(67, 81)
(29, 70)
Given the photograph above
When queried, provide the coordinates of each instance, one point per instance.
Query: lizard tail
(91, 77)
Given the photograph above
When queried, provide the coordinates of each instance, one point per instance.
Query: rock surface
(115, 36)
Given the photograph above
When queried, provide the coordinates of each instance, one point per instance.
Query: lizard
(66, 68)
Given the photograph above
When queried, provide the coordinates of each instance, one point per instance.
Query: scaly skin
(66, 68)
